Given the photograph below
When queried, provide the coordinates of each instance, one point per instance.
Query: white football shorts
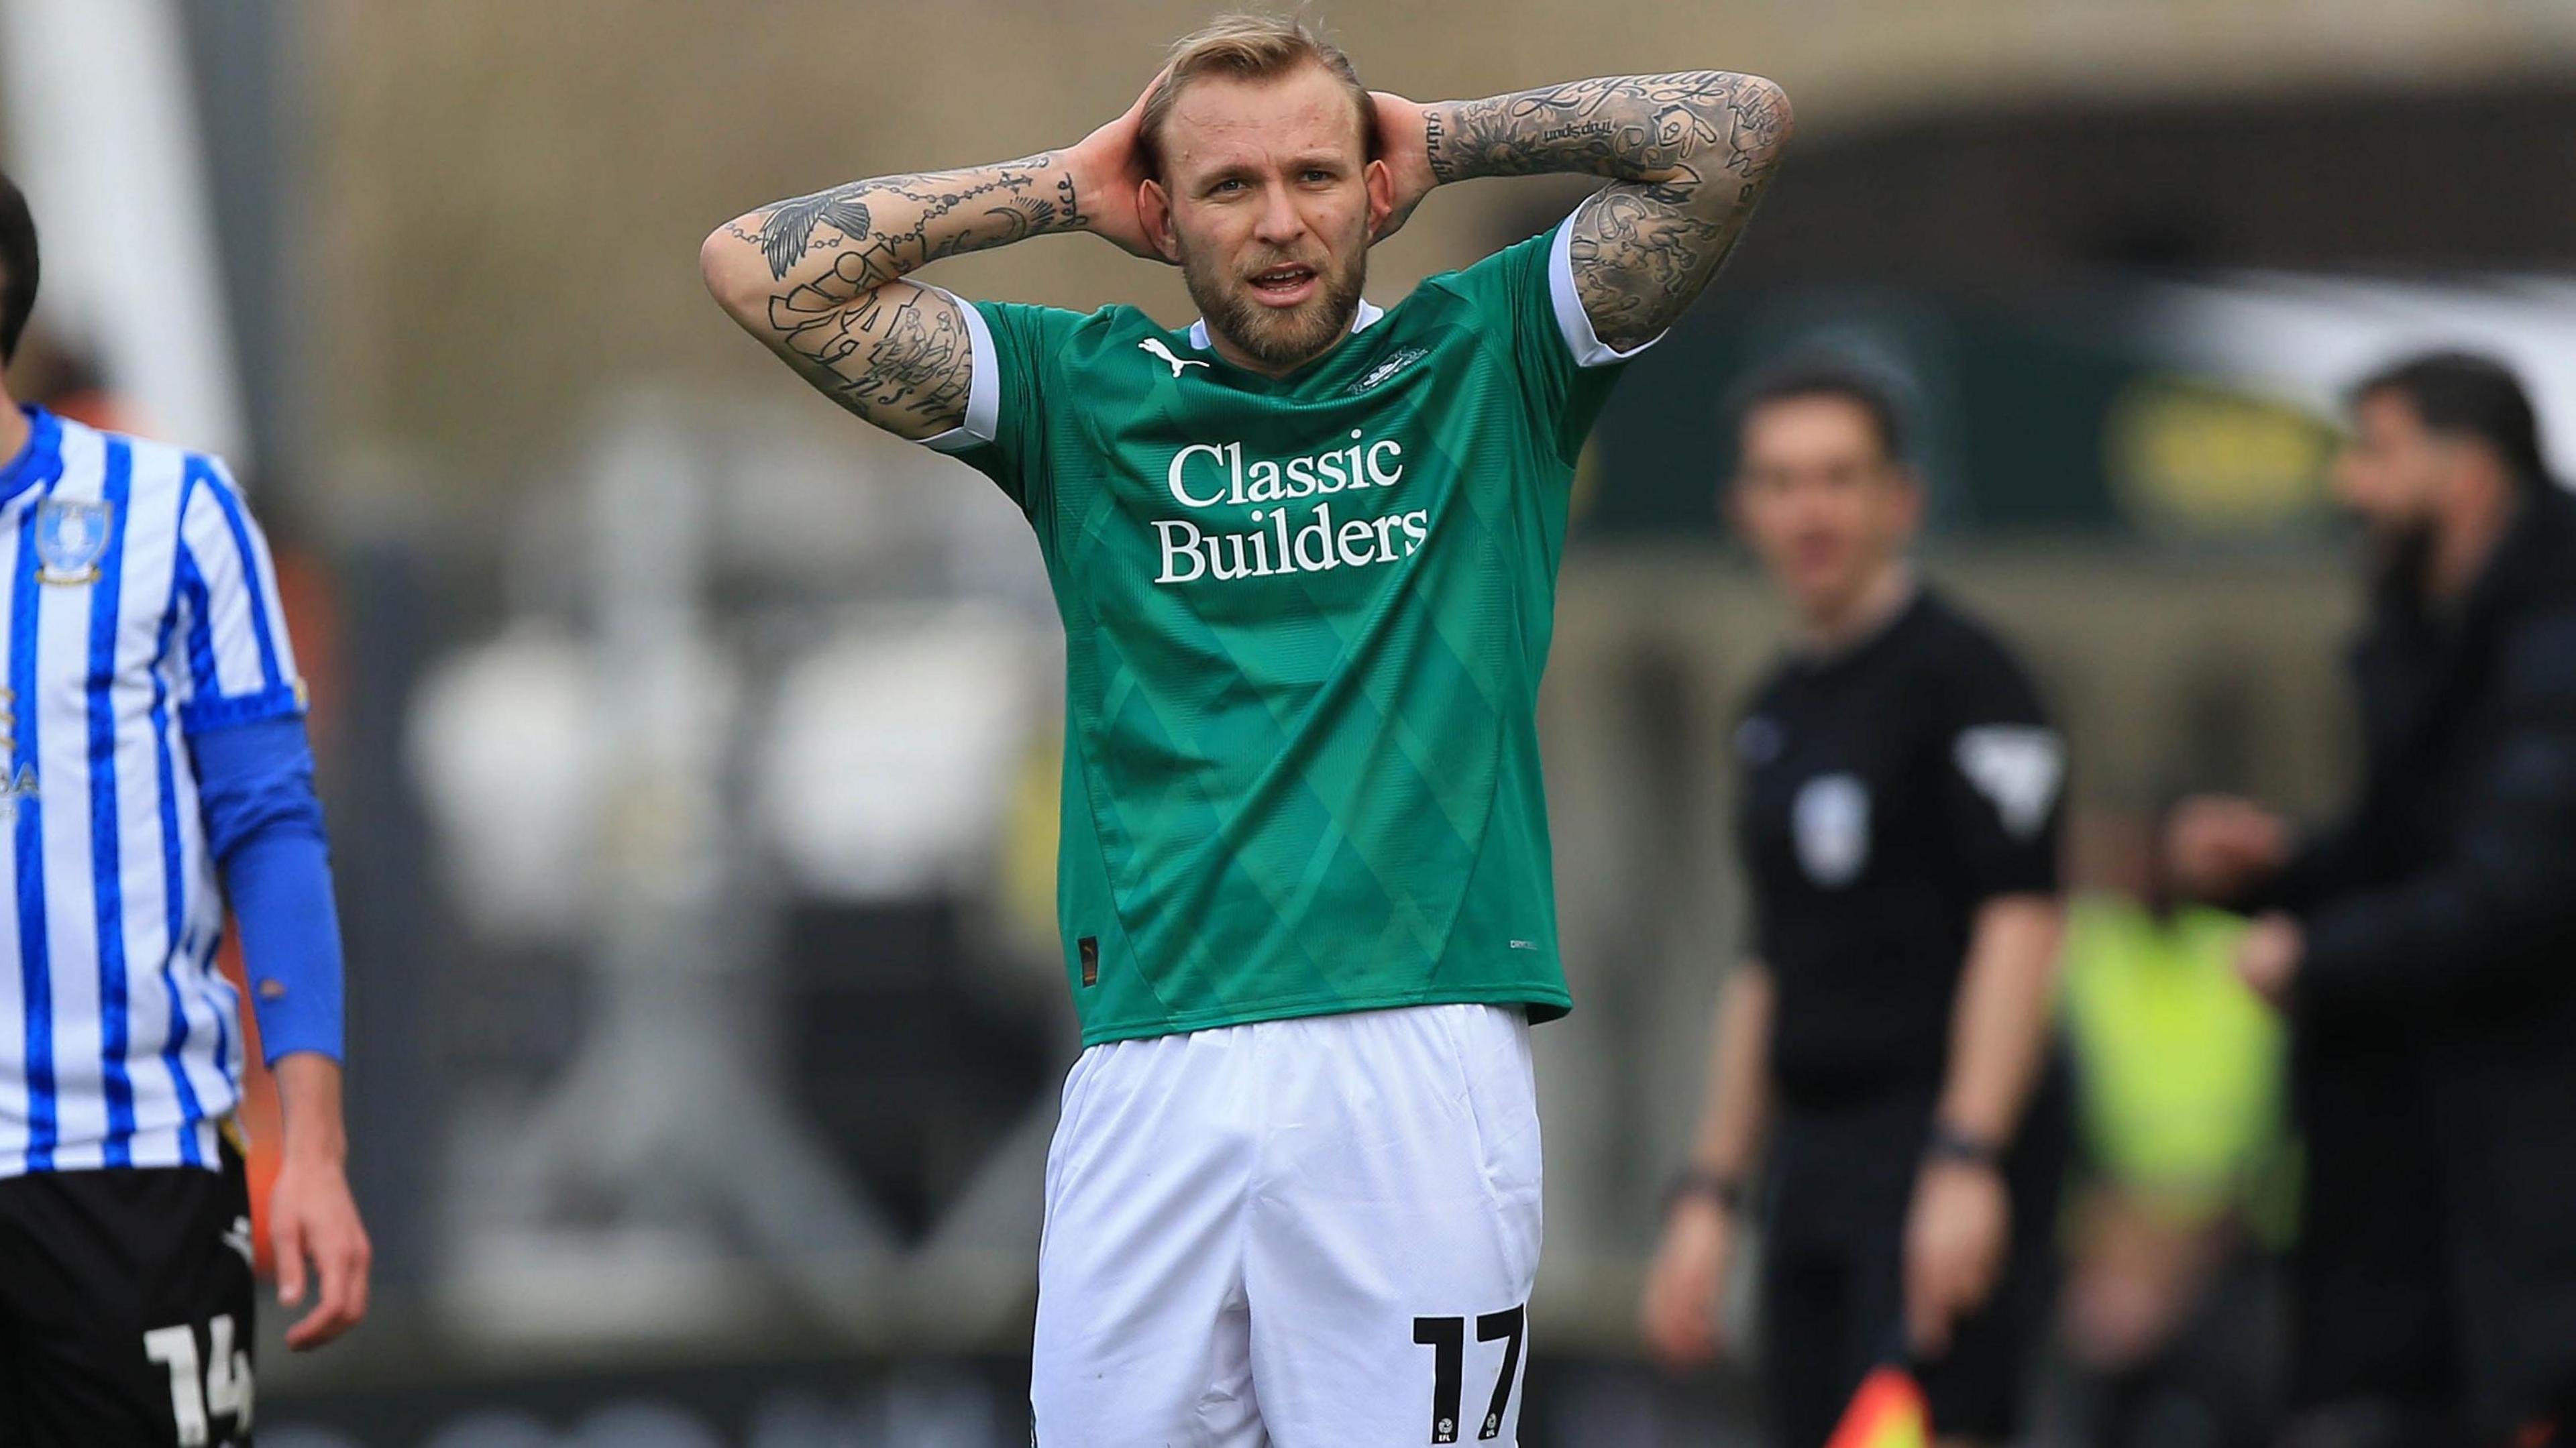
(1311, 1233)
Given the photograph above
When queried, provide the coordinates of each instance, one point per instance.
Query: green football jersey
(1304, 619)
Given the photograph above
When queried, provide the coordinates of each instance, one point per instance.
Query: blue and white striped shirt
(141, 608)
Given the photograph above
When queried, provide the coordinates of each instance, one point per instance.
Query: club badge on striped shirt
(71, 536)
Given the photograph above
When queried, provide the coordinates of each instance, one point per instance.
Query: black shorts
(125, 1308)
(1833, 1268)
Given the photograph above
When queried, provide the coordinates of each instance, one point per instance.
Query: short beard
(1266, 334)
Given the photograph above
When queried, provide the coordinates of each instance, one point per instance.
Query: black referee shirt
(1888, 792)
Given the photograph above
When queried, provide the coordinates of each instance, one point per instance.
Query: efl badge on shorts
(71, 536)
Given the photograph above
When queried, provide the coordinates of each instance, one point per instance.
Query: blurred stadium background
(691, 748)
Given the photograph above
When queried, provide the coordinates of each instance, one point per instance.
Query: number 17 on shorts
(1447, 1339)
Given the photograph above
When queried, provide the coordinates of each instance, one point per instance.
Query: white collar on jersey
(1359, 323)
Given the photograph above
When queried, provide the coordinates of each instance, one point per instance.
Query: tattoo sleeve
(819, 279)
(1688, 155)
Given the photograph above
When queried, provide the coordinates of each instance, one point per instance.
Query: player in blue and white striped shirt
(152, 762)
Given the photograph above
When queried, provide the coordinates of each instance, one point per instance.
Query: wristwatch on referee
(1726, 1189)
(1947, 1143)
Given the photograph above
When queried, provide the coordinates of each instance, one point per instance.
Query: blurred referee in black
(2425, 946)
(1891, 1034)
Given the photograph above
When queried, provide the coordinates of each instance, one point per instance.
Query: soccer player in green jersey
(1305, 552)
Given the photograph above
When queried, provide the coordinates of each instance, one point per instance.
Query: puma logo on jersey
(237, 1237)
(1155, 346)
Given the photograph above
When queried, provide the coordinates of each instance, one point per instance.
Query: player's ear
(1909, 500)
(1154, 209)
(1381, 196)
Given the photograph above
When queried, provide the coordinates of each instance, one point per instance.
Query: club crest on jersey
(1831, 823)
(1403, 357)
(71, 536)
(1155, 346)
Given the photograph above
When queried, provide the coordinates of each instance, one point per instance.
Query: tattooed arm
(820, 279)
(1688, 155)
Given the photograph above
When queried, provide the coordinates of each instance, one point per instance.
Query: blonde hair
(1253, 47)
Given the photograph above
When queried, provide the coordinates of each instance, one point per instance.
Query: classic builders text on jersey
(1208, 475)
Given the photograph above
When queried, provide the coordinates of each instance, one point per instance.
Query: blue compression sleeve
(264, 825)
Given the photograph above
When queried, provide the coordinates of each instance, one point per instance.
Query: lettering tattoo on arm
(1689, 155)
(820, 279)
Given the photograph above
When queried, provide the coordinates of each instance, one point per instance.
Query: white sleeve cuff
(983, 384)
(1588, 348)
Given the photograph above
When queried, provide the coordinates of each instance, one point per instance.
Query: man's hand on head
(1687, 153)
(1403, 130)
(1109, 172)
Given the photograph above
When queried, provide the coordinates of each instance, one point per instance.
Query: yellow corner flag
(1887, 1412)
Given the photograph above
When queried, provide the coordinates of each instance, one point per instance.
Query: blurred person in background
(1890, 1034)
(64, 380)
(152, 728)
(1306, 553)
(2182, 1185)
(2423, 945)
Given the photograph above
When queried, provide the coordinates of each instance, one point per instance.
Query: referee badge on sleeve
(2019, 768)
(71, 536)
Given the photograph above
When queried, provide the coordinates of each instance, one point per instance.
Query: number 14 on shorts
(223, 1389)
(1447, 1339)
